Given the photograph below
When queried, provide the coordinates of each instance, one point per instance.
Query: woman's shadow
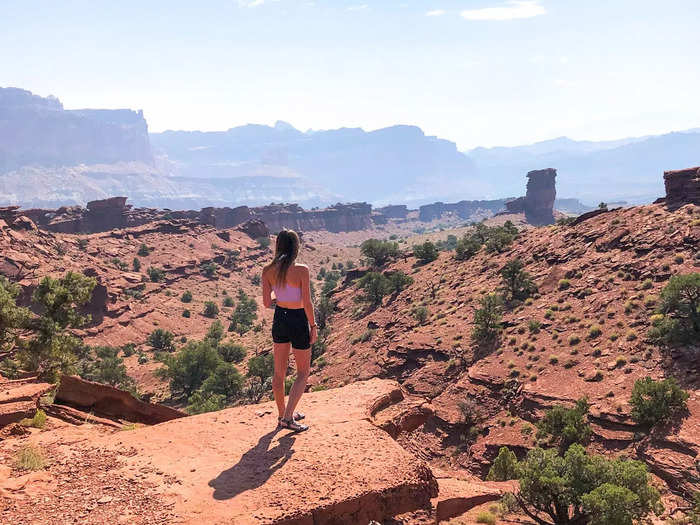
(254, 468)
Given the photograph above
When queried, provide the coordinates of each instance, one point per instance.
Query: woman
(293, 324)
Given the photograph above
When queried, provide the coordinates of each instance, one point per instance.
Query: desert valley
(483, 360)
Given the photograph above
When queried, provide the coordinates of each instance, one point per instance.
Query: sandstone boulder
(682, 186)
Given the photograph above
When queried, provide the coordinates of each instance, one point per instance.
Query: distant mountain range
(50, 156)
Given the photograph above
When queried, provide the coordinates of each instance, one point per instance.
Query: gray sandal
(293, 425)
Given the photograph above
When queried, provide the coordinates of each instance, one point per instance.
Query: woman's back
(289, 293)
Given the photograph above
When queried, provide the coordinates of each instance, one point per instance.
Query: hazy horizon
(476, 72)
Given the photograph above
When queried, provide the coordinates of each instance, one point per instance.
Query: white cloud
(512, 10)
(360, 7)
(250, 3)
(435, 12)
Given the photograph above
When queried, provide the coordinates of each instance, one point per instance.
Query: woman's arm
(306, 298)
(266, 292)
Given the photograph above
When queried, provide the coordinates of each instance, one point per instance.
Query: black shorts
(290, 325)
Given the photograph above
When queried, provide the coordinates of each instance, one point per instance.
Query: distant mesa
(538, 202)
(682, 186)
(462, 209)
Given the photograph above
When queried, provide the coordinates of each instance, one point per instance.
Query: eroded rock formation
(463, 209)
(538, 202)
(682, 186)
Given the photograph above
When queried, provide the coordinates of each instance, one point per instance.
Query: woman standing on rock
(293, 325)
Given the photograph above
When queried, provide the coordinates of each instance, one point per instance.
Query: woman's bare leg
(303, 362)
(281, 357)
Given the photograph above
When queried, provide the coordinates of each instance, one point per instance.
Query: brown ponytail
(286, 251)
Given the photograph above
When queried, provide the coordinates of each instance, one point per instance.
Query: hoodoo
(538, 203)
(682, 186)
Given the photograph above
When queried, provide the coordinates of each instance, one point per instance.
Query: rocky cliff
(682, 186)
(538, 203)
(38, 131)
(463, 209)
(107, 214)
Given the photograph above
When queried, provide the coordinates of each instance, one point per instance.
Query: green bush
(186, 297)
(377, 252)
(487, 320)
(244, 315)
(144, 251)
(680, 303)
(420, 314)
(578, 488)
(565, 426)
(190, 367)
(161, 339)
(399, 281)
(53, 349)
(375, 286)
(211, 309)
(263, 242)
(487, 517)
(227, 302)
(13, 318)
(200, 403)
(107, 367)
(156, 275)
(186, 313)
(466, 248)
(656, 401)
(505, 466)
(498, 241)
(517, 283)
(231, 352)
(225, 380)
(564, 284)
(210, 269)
(136, 264)
(426, 252)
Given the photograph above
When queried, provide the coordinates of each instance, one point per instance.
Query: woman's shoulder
(301, 268)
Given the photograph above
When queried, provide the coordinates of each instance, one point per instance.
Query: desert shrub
(107, 368)
(377, 252)
(215, 333)
(13, 318)
(517, 283)
(161, 339)
(487, 319)
(156, 275)
(420, 314)
(200, 403)
(580, 488)
(227, 302)
(211, 309)
(498, 240)
(255, 280)
(244, 315)
(37, 421)
(574, 340)
(656, 401)
(53, 349)
(399, 281)
(225, 380)
(565, 426)
(564, 284)
(144, 250)
(231, 352)
(646, 284)
(466, 248)
(504, 467)
(186, 297)
(486, 517)
(190, 367)
(136, 264)
(534, 326)
(210, 269)
(680, 303)
(263, 242)
(30, 457)
(594, 331)
(186, 313)
(426, 252)
(260, 369)
(375, 286)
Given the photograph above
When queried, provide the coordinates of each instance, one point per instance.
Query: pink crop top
(287, 293)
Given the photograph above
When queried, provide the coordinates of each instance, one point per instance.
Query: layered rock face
(463, 209)
(337, 218)
(398, 211)
(682, 186)
(538, 203)
(38, 131)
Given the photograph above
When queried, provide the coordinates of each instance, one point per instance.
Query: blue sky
(478, 72)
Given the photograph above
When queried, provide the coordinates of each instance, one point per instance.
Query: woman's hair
(286, 251)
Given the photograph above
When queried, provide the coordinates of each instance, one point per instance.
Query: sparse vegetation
(564, 426)
(679, 303)
(657, 401)
(30, 457)
(564, 284)
(156, 275)
(211, 309)
(487, 320)
(244, 315)
(504, 467)
(517, 283)
(420, 314)
(186, 297)
(426, 252)
(144, 251)
(377, 252)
